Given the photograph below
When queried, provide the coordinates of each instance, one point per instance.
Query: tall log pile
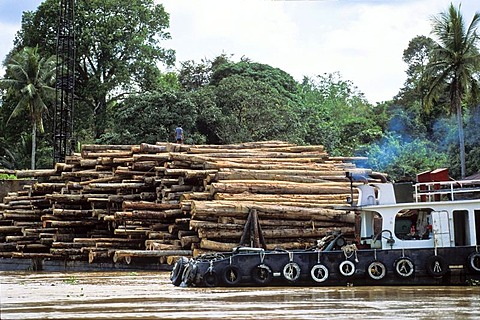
(155, 202)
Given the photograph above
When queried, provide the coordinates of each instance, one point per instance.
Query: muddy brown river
(124, 295)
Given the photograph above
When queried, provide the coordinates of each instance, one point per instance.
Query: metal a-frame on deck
(65, 83)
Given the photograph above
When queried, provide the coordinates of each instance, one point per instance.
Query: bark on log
(142, 205)
(152, 148)
(279, 187)
(35, 173)
(105, 147)
(216, 245)
(145, 214)
(274, 233)
(186, 241)
(268, 211)
(122, 254)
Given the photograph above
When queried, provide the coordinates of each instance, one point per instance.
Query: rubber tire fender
(436, 266)
(262, 274)
(231, 275)
(350, 272)
(379, 264)
(314, 274)
(472, 258)
(294, 268)
(408, 261)
(189, 274)
(177, 271)
(210, 278)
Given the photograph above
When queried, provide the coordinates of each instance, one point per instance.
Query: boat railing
(447, 190)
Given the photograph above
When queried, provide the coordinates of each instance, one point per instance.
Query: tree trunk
(34, 142)
(457, 103)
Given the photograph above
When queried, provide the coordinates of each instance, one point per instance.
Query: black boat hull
(372, 267)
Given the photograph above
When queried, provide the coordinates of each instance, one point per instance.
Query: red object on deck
(436, 175)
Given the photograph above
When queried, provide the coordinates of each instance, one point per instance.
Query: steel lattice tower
(65, 83)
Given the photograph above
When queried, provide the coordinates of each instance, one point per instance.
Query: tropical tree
(455, 62)
(29, 79)
(118, 50)
(337, 115)
(247, 101)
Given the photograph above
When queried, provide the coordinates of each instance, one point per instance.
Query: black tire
(177, 271)
(474, 261)
(231, 275)
(262, 274)
(376, 270)
(404, 267)
(436, 266)
(189, 274)
(210, 278)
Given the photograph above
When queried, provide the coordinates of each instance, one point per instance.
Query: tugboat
(427, 233)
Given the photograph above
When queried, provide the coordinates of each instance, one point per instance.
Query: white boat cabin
(424, 215)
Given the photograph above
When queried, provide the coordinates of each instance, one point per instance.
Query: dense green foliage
(30, 82)
(454, 63)
(124, 98)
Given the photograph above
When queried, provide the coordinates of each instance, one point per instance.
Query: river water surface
(123, 295)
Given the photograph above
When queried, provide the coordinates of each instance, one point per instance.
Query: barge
(427, 233)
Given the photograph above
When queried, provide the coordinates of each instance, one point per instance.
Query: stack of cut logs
(155, 202)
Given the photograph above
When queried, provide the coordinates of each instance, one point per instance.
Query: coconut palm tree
(30, 77)
(455, 63)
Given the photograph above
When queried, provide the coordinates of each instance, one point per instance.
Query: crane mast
(63, 143)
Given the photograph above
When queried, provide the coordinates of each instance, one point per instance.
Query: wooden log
(66, 251)
(118, 245)
(119, 198)
(145, 205)
(268, 223)
(67, 245)
(144, 166)
(122, 254)
(163, 245)
(146, 214)
(35, 173)
(159, 158)
(106, 154)
(74, 198)
(105, 147)
(95, 255)
(186, 241)
(275, 233)
(22, 216)
(69, 224)
(217, 246)
(196, 196)
(113, 186)
(161, 235)
(266, 211)
(306, 198)
(72, 213)
(152, 148)
(33, 255)
(20, 238)
(268, 187)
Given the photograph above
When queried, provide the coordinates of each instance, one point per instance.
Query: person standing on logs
(179, 134)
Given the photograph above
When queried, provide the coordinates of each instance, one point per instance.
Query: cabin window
(413, 224)
(461, 227)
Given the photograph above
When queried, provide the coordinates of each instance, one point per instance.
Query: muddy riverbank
(149, 295)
